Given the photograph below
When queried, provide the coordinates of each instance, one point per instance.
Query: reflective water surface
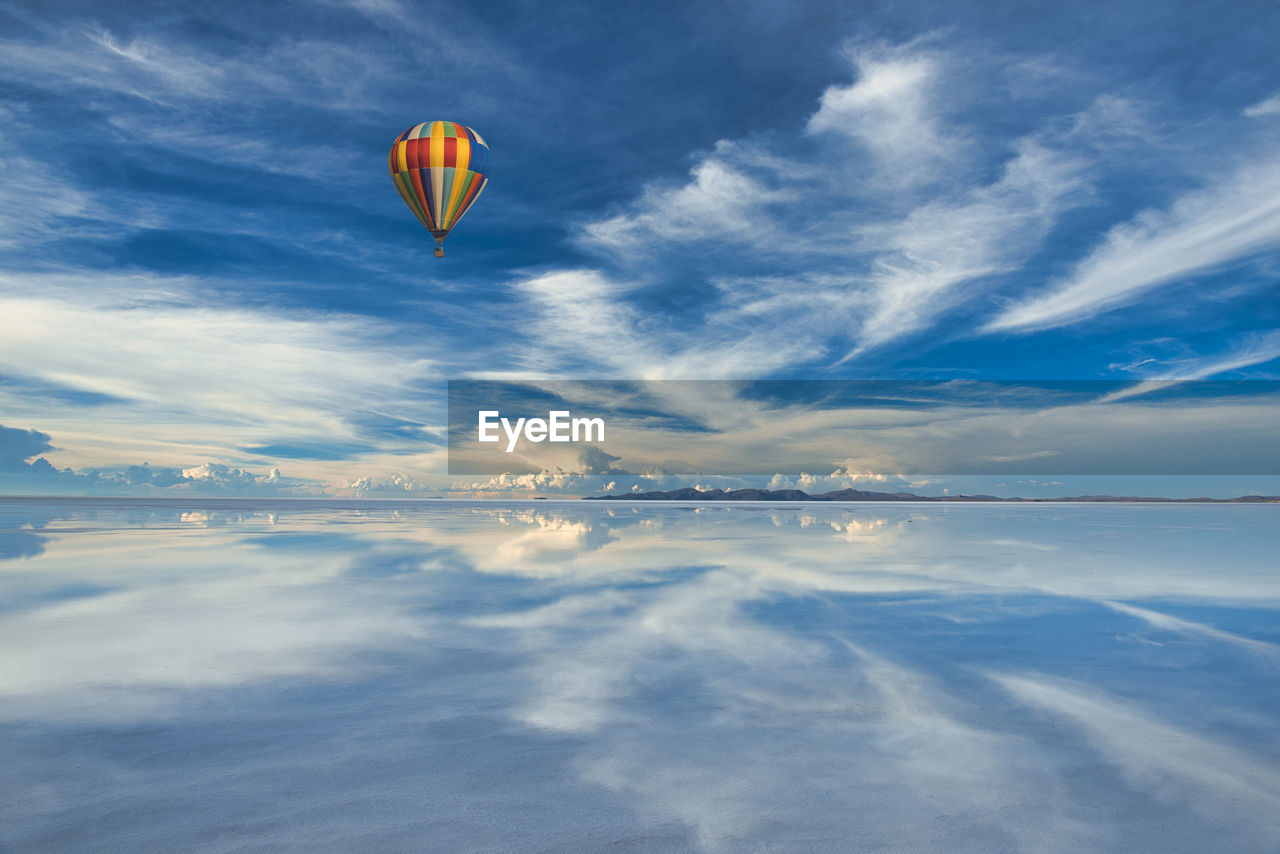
(215, 676)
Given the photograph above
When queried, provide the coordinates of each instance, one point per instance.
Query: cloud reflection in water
(658, 677)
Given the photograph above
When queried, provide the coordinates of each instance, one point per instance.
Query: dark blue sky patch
(378, 425)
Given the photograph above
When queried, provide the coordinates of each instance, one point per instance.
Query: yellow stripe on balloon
(402, 156)
(435, 157)
(463, 159)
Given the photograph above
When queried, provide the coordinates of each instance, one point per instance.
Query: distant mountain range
(691, 494)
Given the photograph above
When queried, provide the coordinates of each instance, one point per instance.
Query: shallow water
(239, 676)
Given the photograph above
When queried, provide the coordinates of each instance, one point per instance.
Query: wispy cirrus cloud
(1268, 107)
(1171, 763)
(726, 200)
(896, 212)
(1267, 651)
(1256, 348)
(868, 263)
(895, 112)
(940, 246)
(1227, 223)
(161, 359)
(36, 206)
(166, 67)
(585, 317)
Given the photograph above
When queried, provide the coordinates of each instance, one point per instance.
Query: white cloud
(860, 279)
(222, 105)
(942, 245)
(167, 70)
(871, 263)
(36, 203)
(582, 317)
(543, 481)
(722, 201)
(1268, 651)
(754, 192)
(1269, 107)
(1252, 349)
(241, 375)
(213, 624)
(904, 274)
(400, 485)
(1224, 224)
(893, 111)
(1172, 764)
(598, 659)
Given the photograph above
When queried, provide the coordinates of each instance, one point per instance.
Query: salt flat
(449, 676)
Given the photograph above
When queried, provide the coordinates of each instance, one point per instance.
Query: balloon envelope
(439, 169)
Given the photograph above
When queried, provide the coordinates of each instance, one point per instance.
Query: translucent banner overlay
(763, 427)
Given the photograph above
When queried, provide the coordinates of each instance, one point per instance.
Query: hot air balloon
(439, 169)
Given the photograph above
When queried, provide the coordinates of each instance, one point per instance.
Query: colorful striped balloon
(439, 169)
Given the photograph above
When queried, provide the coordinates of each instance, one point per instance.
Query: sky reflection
(214, 676)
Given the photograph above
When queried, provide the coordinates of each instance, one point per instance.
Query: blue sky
(204, 266)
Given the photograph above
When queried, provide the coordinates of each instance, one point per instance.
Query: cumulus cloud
(542, 481)
(595, 460)
(228, 478)
(18, 476)
(19, 473)
(395, 486)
